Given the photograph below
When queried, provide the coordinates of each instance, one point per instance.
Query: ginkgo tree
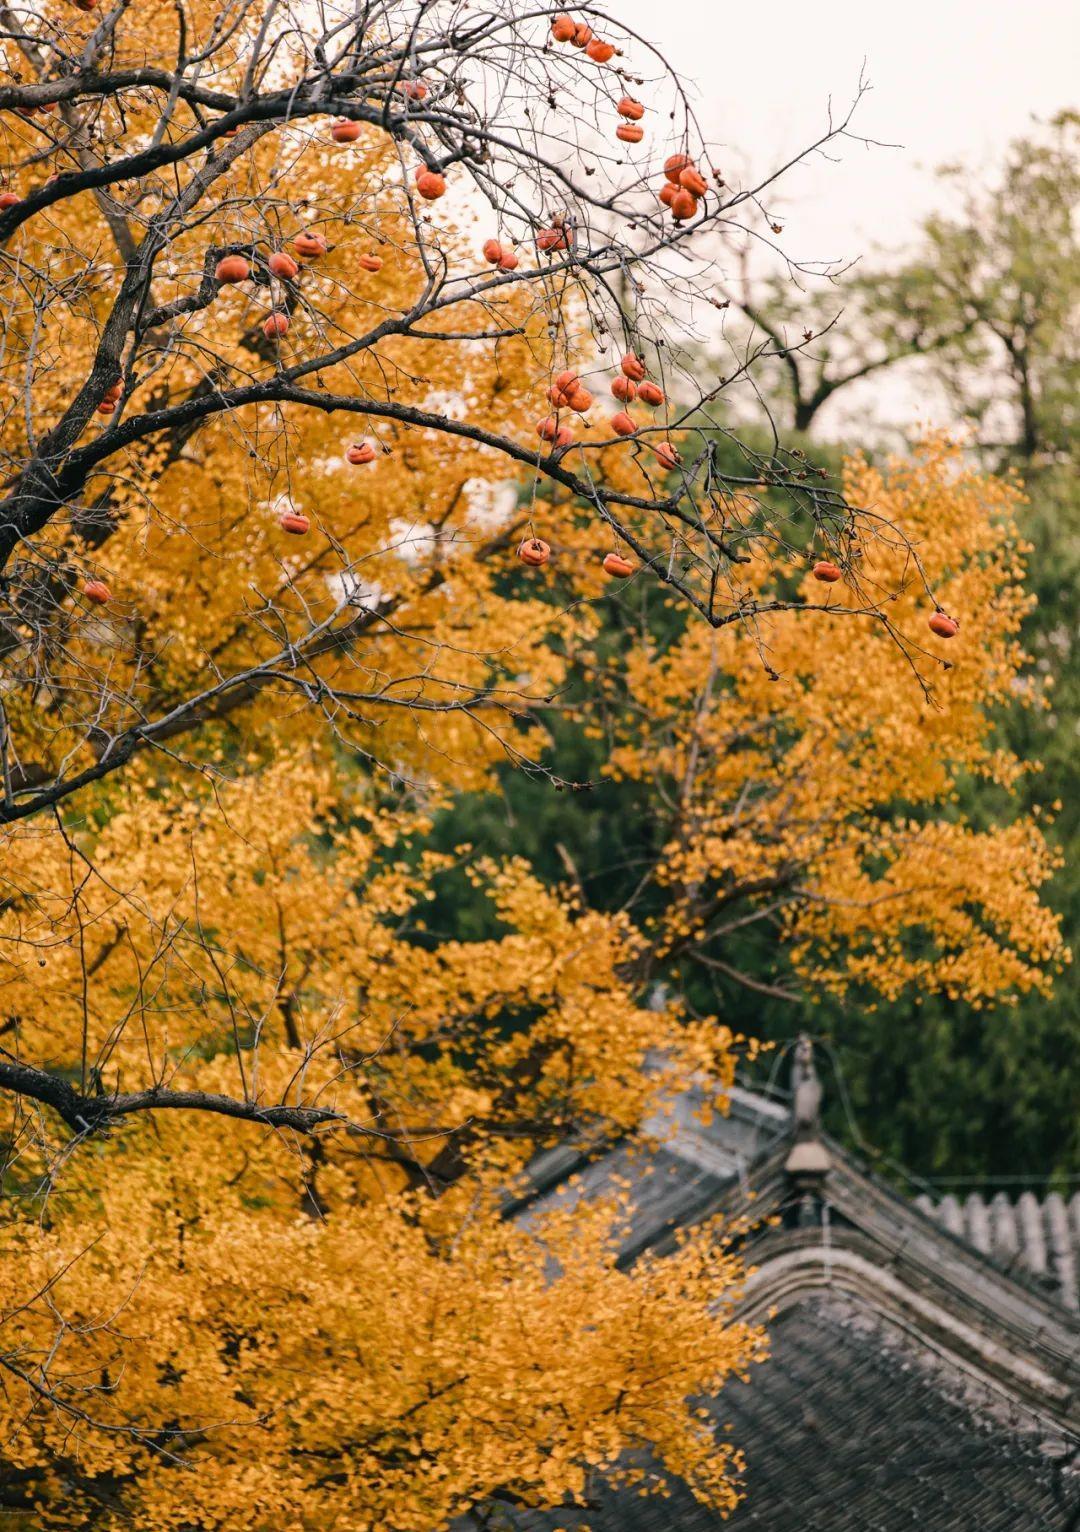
(324, 1314)
(809, 786)
(341, 379)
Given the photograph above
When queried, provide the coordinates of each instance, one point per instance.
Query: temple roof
(698, 1157)
(925, 1354)
(850, 1428)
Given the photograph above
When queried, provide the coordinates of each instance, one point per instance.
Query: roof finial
(808, 1157)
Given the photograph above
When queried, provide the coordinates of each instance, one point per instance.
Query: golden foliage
(815, 765)
(387, 1365)
(305, 1322)
(325, 1313)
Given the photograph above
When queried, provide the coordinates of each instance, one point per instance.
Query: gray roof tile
(853, 1424)
(848, 1427)
(1041, 1237)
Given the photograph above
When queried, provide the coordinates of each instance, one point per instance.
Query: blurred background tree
(985, 311)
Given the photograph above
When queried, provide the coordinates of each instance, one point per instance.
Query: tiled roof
(914, 1383)
(1041, 1238)
(675, 1181)
(666, 1191)
(849, 1428)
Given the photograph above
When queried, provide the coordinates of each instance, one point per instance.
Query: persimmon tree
(246, 637)
(235, 239)
(312, 490)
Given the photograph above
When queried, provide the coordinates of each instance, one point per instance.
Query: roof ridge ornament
(808, 1159)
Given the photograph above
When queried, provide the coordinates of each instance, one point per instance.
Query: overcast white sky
(951, 79)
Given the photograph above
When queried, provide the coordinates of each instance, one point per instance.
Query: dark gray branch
(86, 1114)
